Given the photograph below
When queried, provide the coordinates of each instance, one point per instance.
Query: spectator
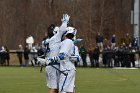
(26, 55)
(116, 57)
(20, 54)
(30, 41)
(132, 56)
(126, 55)
(2, 55)
(90, 52)
(106, 42)
(127, 40)
(104, 55)
(83, 53)
(109, 56)
(135, 42)
(7, 56)
(96, 53)
(121, 55)
(113, 41)
(99, 41)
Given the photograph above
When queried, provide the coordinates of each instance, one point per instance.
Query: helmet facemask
(52, 30)
(56, 29)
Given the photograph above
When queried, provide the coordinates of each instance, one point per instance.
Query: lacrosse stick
(62, 72)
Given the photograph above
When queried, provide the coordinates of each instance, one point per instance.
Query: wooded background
(21, 18)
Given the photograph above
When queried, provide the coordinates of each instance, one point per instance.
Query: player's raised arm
(65, 21)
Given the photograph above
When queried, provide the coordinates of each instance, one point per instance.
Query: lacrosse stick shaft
(58, 69)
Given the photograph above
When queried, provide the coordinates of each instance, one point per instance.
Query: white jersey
(66, 83)
(67, 48)
(54, 44)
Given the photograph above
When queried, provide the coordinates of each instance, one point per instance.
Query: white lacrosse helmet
(71, 30)
(56, 29)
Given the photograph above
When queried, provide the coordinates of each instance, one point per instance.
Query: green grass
(88, 80)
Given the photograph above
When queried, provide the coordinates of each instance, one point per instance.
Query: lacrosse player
(67, 58)
(53, 44)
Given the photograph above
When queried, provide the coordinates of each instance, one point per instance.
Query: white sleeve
(62, 30)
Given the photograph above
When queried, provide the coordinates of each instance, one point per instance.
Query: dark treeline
(21, 18)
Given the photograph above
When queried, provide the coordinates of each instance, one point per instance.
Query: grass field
(88, 80)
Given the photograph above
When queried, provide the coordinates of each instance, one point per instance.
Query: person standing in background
(99, 41)
(30, 41)
(20, 54)
(2, 55)
(113, 41)
(90, 52)
(7, 56)
(127, 40)
(135, 42)
(26, 55)
(83, 53)
(95, 55)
